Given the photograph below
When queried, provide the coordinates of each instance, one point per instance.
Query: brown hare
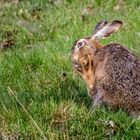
(111, 72)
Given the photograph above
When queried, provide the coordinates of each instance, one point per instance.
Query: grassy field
(40, 97)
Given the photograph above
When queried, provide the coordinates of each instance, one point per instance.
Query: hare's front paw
(97, 100)
(87, 72)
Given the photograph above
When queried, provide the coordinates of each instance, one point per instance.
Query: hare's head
(85, 47)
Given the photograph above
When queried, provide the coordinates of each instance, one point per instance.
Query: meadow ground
(39, 94)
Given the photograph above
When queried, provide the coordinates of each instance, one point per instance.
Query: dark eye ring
(79, 44)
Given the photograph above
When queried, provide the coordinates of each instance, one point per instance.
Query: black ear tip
(101, 23)
(99, 26)
(117, 21)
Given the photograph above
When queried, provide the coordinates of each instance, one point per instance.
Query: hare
(111, 72)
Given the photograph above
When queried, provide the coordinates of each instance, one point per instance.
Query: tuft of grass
(49, 100)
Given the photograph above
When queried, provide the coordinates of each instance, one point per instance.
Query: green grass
(49, 100)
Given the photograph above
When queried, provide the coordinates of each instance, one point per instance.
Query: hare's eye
(79, 44)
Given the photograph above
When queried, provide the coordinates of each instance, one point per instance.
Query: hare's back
(122, 68)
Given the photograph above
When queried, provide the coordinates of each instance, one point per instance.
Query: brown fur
(112, 75)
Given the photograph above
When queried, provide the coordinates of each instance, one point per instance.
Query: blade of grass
(30, 117)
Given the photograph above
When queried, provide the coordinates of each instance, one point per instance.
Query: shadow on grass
(70, 90)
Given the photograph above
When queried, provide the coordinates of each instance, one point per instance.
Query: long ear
(99, 26)
(104, 29)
